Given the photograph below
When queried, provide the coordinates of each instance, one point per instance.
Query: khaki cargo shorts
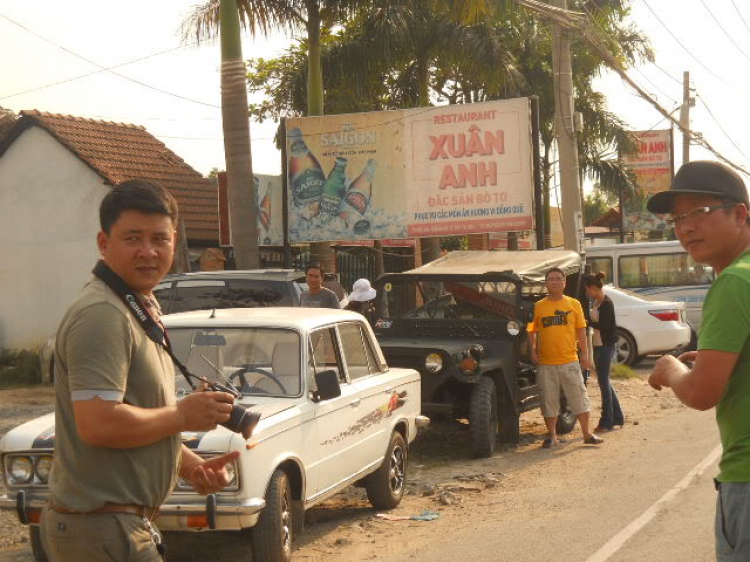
(106, 537)
(568, 379)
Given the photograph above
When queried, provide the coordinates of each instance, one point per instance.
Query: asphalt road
(637, 500)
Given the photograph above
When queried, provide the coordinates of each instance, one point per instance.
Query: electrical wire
(744, 22)
(103, 68)
(681, 44)
(742, 52)
(711, 113)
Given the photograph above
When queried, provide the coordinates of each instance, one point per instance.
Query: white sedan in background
(646, 327)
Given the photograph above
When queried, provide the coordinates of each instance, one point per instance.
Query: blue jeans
(611, 412)
(733, 522)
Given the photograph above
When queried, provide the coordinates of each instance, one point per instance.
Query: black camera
(242, 420)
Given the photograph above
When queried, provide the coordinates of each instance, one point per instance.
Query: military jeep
(461, 322)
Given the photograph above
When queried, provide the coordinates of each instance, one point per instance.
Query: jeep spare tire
(483, 421)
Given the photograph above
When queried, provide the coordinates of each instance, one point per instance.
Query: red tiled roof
(119, 152)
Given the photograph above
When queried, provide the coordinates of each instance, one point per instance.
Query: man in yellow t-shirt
(558, 327)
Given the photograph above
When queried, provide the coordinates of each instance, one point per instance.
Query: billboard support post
(285, 195)
(538, 197)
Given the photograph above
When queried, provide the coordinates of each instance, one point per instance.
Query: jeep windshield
(255, 361)
(457, 298)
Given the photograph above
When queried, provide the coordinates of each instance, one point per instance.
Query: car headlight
(433, 363)
(43, 467)
(184, 485)
(514, 328)
(20, 470)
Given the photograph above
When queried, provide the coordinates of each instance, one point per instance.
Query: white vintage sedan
(332, 414)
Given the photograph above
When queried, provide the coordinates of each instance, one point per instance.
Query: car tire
(566, 420)
(626, 350)
(35, 535)
(274, 532)
(385, 486)
(483, 418)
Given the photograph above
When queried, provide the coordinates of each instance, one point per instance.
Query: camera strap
(153, 329)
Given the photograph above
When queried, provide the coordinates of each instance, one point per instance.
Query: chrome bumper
(421, 421)
(179, 514)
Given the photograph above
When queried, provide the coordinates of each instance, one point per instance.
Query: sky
(708, 38)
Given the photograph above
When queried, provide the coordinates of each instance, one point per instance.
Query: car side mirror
(328, 385)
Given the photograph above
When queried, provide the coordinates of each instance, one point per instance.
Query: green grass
(623, 372)
(19, 367)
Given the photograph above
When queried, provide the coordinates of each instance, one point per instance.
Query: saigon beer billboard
(434, 171)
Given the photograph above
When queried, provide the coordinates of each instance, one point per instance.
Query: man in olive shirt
(118, 450)
(708, 205)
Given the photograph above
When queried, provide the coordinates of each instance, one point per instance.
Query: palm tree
(264, 15)
(237, 140)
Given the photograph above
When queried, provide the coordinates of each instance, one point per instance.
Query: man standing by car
(317, 296)
(708, 205)
(117, 446)
(557, 329)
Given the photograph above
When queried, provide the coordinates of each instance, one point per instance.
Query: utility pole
(566, 138)
(688, 101)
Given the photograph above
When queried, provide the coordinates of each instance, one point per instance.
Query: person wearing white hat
(360, 299)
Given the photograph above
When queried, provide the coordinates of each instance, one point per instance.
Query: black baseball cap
(700, 177)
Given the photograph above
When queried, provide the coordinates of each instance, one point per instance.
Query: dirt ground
(443, 479)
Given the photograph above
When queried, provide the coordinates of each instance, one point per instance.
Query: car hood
(39, 433)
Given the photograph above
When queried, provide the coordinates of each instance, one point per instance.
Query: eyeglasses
(695, 215)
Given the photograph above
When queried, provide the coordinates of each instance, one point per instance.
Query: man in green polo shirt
(118, 451)
(708, 205)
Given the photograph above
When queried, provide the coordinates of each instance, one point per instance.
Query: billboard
(435, 171)
(653, 167)
(269, 210)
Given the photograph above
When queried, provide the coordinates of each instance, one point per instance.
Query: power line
(721, 128)
(741, 16)
(103, 68)
(742, 52)
(657, 88)
(667, 74)
(680, 42)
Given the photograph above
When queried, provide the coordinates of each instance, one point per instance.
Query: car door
(379, 397)
(336, 418)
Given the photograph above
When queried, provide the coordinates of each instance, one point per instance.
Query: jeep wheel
(483, 422)
(272, 535)
(385, 486)
(566, 421)
(36, 544)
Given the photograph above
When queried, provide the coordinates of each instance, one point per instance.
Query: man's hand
(586, 363)
(204, 410)
(535, 357)
(209, 476)
(665, 365)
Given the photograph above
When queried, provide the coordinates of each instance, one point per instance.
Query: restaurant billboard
(436, 171)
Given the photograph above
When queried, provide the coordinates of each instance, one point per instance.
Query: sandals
(593, 440)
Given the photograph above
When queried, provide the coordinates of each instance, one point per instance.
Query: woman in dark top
(605, 338)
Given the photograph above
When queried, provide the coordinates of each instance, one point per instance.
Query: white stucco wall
(49, 205)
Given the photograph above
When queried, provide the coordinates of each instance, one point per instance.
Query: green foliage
(451, 243)
(596, 204)
(623, 372)
(19, 367)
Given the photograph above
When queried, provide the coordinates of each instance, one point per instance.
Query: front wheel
(273, 534)
(385, 486)
(36, 544)
(566, 421)
(626, 350)
(483, 421)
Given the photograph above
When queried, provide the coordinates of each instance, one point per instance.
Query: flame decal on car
(396, 401)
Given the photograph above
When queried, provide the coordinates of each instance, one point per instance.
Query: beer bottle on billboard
(265, 213)
(305, 175)
(357, 199)
(334, 189)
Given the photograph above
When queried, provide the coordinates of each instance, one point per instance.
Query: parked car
(333, 413)
(645, 327)
(461, 322)
(206, 290)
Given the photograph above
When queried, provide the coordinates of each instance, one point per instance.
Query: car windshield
(255, 361)
(437, 299)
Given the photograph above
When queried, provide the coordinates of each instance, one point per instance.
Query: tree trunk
(545, 191)
(236, 126)
(319, 251)
(430, 246)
